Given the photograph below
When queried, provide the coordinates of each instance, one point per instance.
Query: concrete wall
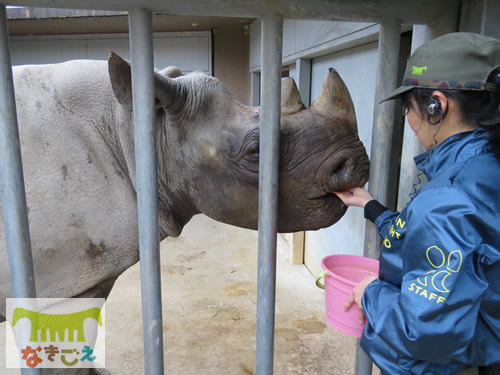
(480, 16)
(229, 34)
(350, 48)
(307, 39)
(231, 60)
(188, 52)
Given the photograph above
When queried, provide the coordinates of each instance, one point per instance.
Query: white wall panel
(309, 38)
(189, 52)
(357, 67)
(45, 51)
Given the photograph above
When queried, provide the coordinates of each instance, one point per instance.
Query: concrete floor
(209, 278)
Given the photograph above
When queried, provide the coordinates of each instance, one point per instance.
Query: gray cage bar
(12, 188)
(15, 213)
(141, 49)
(272, 39)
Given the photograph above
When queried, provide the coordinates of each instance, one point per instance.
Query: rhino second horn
(169, 93)
(335, 99)
(171, 72)
(290, 97)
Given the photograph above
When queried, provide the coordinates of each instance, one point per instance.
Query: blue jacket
(436, 307)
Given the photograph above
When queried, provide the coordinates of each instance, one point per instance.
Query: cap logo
(418, 70)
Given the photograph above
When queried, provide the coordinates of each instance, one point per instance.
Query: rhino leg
(100, 290)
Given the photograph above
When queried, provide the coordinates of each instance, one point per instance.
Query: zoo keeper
(435, 307)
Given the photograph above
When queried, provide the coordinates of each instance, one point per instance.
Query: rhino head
(208, 151)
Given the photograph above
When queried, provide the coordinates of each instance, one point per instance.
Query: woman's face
(418, 123)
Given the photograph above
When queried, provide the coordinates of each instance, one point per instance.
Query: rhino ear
(290, 97)
(121, 79)
(335, 99)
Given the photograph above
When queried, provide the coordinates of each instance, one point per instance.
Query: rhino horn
(171, 72)
(167, 91)
(335, 99)
(290, 97)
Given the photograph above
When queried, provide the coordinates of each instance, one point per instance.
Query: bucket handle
(319, 277)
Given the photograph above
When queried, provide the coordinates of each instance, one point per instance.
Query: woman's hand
(354, 197)
(356, 297)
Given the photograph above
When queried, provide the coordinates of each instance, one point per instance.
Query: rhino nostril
(341, 169)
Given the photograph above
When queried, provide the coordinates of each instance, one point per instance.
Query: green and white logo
(55, 332)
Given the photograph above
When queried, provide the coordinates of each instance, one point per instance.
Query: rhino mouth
(325, 202)
(348, 170)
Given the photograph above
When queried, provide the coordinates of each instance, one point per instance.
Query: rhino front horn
(335, 99)
(290, 97)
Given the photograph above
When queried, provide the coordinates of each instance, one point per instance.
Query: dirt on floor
(209, 284)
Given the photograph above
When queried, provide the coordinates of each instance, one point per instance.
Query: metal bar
(15, 213)
(255, 89)
(272, 42)
(141, 49)
(363, 364)
(383, 120)
(408, 176)
(13, 194)
(408, 180)
(304, 69)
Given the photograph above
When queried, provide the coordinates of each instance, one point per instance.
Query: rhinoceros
(76, 131)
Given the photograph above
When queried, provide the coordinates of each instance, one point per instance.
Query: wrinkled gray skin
(76, 131)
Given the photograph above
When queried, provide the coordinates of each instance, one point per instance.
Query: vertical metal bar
(15, 214)
(272, 41)
(304, 68)
(13, 194)
(255, 89)
(363, 364)
(141, 49)
(383, 119)
(409, 172)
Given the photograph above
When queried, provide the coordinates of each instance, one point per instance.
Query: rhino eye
(245, 158)
(250, 146)
(253, 153)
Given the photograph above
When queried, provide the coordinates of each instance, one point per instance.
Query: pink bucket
(342, 273)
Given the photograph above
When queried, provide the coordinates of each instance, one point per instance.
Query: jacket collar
(458, 147)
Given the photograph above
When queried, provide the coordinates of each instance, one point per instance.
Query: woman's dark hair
(479, 108)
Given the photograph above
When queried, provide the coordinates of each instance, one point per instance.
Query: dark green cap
(456, 61)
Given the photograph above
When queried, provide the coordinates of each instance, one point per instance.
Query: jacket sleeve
(432, 317)
(380, 215)
(390, 265)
